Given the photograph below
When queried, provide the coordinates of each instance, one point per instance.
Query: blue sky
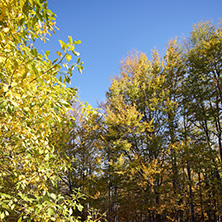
(109, 29)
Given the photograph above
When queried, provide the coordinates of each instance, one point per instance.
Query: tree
(202, 106)
(83, 151)
(162, 133)
(134, 137)
(33, 106)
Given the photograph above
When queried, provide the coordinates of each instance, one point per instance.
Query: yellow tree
(134, 138)
(33, 104)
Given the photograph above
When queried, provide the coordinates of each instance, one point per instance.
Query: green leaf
(47, 53)
(21, 21)
(3, 104)
(34, 52)
(35, 70)
(56, 109)
(67, 79)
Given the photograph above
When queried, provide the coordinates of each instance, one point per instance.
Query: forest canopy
(154, 152)
(151, 152)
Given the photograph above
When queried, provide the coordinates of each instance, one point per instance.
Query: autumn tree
(202, 106)
(33, 105)
(162, 133)
(134, 137)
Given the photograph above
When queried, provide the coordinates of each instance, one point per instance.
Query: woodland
(152, 152)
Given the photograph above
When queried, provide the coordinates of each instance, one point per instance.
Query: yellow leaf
(5, 88)
(68, 57)
(121, 160)
(2, 59)
(59, 53)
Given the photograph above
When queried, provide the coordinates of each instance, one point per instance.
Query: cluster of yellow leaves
(33, 102)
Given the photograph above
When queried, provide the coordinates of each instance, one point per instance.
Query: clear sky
(109, 29)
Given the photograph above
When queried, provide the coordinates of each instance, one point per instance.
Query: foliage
(152, 152)
(33, 106)
(158, 143)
